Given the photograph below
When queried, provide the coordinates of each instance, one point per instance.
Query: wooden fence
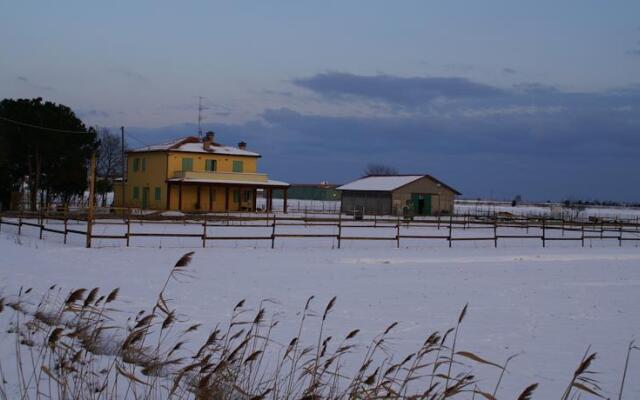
(544, 229)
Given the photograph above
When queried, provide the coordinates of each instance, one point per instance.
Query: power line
(27, 125)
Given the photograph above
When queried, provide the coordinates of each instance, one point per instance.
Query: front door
(145, 197)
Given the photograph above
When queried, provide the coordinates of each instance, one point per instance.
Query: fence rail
(569, 230)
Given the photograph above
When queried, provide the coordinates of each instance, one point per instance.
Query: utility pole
(92, 184)
(122, 166)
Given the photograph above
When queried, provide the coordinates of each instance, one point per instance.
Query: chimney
(208, 139)
(242, 145)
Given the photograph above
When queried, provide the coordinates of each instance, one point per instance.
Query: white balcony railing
(224, 176)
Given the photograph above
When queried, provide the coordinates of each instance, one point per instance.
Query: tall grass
(69, 346)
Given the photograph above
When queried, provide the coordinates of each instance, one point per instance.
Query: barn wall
(371, 203)
(441, 197)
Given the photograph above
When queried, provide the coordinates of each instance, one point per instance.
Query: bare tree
(109, 162)
(380, 170)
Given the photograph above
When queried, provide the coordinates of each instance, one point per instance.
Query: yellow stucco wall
(154, 168)
(224, 162)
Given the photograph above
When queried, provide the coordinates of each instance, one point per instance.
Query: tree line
(45, 150)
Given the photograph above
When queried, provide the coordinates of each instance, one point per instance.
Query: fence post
(65, 228)
(620, 237)
(128, 225)
(438, 221)
(543, 232)
(582, 235)
(273, 232)
(41, 225)
(204, 232)
(0, 223)
(339, 229)
(495, 234)
(450, 230)
(20, 222)
(398, 233)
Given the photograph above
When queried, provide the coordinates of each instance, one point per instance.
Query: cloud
(531, 139)
(509, 71)
(416, 91)
(635, 52)
(92, 113)
(33, 85)
(131, 75)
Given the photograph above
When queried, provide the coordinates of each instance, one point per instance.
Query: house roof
(388, 183)
(192, 144)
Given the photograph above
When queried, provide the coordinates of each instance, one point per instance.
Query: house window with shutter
(187, 164)
(157, 194)
(238, 166)
(136, 164)
(136, 193)
(210, 165)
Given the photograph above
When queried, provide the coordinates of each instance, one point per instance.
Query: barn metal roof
(388, 183)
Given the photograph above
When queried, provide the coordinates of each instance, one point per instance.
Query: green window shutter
(136, 193)
(236, 196)
(136, 164)
(157, 194)
(144, 164)
(237, 166)
(187, 164)
(210, 165)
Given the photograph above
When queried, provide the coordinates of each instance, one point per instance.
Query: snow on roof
(380, 183)
(191, 144)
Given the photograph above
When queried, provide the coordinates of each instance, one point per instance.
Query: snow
(380, 183)
(549, 303)
(196, 148)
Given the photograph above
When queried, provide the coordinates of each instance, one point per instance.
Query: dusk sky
(496, 98)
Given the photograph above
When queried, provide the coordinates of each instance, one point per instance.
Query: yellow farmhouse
(193, 174)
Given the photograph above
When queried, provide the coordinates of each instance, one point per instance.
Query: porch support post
(285, 196)
(269, 200)
(180, 196)
(255, 199)
(226, 198)
(210, 197)
(198, 204)
(168, 195)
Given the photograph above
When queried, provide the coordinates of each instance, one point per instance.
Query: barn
(397, 195)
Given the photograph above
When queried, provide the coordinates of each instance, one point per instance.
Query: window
(187, 164)
(237, 166)
(210, 165)
(236, 196)
(144, 164)
(247, 195)
(157, 194)
(136, 192)
(136, 164)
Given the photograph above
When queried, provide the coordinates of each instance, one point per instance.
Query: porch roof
(227, 182)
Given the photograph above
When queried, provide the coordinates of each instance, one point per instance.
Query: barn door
(421, 203)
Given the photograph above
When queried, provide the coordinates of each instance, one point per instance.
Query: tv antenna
(200, 109)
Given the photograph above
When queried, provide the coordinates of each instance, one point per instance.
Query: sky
(497, 98)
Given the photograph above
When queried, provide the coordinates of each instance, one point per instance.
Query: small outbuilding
(398, 195)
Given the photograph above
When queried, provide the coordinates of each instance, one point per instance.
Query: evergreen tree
(52, 163)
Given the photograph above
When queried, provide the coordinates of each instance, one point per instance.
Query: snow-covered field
(549, 303)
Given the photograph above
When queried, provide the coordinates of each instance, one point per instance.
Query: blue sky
(497, 98)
